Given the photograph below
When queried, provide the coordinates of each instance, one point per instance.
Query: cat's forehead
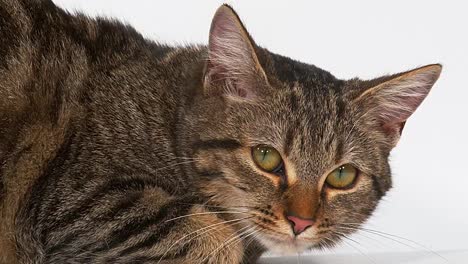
(308, 79)
(303, 125)
(313, 127)
(302, 117)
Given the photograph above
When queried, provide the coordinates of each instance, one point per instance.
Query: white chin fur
(287, 247)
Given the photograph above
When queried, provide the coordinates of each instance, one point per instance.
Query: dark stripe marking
(120, 184)
(376, 186)
(293, 105)
(228, 144)
(140, 223)
(289, 141)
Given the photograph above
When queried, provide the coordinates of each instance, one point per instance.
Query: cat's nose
(299, 224)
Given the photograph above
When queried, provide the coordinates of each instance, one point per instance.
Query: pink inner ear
(243, 93)
(395, 100)
(399, 108)
(394, 112)
(228, 49)
(232, 66)
(223, 28)
(233, 87)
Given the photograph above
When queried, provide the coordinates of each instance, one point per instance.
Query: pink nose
(299, 224)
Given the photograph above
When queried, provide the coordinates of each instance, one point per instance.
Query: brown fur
(117, 149)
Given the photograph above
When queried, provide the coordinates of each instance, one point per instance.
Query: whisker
(230, 240)
(377, 234)
(345, 237)
(393, 238)
(371, 238)
(224, 243)
(252, 235)
(250, 242)
(205, 229)
(218, 206)
(206, 213)
(298, 258)
(328, 242)
(357, 249)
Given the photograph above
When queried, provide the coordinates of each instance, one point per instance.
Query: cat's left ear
(233, 68)
(392, 100)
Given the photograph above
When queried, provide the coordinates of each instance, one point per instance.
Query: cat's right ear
(232, 68)
(393, 99)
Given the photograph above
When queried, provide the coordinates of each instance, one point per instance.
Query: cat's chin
(286, 246)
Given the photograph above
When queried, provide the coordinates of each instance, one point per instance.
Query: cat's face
(313, 138)
(300, 157)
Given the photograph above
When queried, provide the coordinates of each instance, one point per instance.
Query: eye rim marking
(283, 178)
(279, 170)
(350, 186)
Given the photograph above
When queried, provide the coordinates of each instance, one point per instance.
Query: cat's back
(51, 60)
(67, 80)
(56, 66)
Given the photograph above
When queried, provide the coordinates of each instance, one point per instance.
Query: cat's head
(300, 156)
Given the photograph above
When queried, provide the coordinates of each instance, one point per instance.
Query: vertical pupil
(264, 152)
(340, 175)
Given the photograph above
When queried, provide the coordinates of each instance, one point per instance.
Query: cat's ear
(233, 68)
(393, 99)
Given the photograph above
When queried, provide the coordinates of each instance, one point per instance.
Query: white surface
(364, 38)
(449, 257)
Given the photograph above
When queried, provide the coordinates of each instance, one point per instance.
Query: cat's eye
(267, 158)
(342, 177)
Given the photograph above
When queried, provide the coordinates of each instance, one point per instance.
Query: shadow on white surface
(448, 257)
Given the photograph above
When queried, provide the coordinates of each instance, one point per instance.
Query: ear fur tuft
(233, 68)
(393, 101)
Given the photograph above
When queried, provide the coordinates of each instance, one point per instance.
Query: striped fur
(117, 149)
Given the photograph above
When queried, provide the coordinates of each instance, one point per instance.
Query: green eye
(267, 158)
(342, 176)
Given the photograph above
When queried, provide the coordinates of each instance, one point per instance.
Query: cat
(118, 149)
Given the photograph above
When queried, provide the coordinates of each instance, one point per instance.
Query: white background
(429, 202)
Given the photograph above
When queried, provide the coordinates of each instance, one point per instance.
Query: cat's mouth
(286, 244)
(283, 243)
(279, 235)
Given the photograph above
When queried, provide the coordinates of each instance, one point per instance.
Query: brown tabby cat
(116, 149)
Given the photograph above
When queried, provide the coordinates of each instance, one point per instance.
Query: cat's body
(96, 91)
(105, 146)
